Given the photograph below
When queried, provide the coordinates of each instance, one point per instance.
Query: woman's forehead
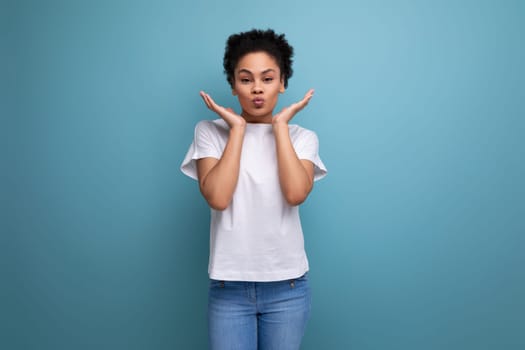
(257, 62)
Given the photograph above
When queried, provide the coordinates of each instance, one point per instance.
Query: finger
(211, 103)
(308, 95)
(310, 92)
(205, 98)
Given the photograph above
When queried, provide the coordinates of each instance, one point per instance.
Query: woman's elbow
(295, 198)
(219, 204)
(218, 207)
(217, 201)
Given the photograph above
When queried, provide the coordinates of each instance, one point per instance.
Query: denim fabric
(258, 315)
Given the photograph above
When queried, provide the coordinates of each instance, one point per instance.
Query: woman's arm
(218, 177)
(296, 176)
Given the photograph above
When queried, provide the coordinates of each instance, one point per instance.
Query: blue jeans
(258, 315)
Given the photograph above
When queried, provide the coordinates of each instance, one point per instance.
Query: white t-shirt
(259, 236)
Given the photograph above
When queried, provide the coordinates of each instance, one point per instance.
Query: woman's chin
(257, 115)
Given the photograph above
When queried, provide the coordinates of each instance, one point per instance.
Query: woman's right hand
(230, 117)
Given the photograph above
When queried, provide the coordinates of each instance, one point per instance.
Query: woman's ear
(282, 89)
(234, 93)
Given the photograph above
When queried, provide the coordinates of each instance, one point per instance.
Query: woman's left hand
(287, 113)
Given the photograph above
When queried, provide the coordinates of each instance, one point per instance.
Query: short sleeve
(206, 143)
(306, 146)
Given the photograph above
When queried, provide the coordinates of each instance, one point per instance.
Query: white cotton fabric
(259, 236)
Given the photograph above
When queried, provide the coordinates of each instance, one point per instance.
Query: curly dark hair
(257, 40)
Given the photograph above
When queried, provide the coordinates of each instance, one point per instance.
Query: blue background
(415, 238)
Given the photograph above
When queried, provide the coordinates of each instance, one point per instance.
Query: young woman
(254, 169)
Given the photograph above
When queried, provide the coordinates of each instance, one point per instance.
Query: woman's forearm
(218, 178)
(295, 175)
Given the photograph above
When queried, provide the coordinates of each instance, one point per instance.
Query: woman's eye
(268, 80)
(245, 80)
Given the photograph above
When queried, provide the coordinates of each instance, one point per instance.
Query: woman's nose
(257, 89)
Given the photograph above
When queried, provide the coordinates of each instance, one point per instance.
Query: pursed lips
(258, 101)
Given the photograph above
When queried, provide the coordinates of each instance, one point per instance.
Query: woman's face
(257, 86)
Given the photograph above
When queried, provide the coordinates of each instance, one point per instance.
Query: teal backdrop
(415, 237)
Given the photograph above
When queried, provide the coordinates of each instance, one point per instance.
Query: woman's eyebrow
(244, 70)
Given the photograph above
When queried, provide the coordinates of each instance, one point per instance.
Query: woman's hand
(287, 113)
(229, 116)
